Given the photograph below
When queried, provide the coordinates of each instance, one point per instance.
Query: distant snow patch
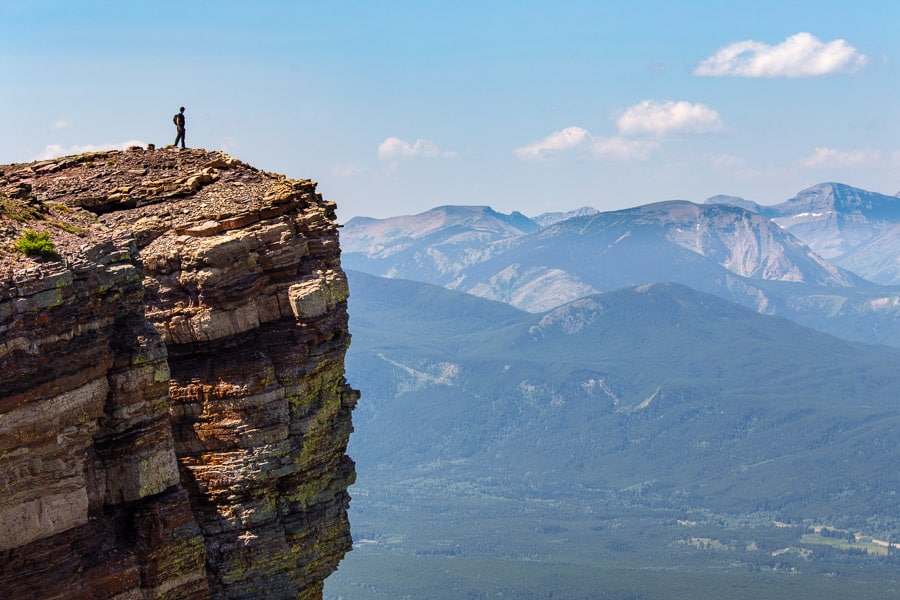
(814, 215)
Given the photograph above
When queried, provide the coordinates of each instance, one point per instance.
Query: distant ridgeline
(704, 402)
(173, 409)
(827, 259)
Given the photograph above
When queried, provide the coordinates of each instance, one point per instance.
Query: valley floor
(474, 546)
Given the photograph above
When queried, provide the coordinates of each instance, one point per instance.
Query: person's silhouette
(178, 119)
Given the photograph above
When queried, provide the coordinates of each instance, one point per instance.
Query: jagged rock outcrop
(173, 409)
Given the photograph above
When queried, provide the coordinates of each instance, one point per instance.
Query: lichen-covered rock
(173, 409)
(86, 446)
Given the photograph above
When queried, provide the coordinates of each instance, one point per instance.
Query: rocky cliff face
(173, 409)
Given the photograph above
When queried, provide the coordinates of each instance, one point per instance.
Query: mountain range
(699, 401)
(670, 395)
(757, 258)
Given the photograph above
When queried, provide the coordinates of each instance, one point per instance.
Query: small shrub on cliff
(34, 243)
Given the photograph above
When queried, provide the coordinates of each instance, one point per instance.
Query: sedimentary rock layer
(173, 410)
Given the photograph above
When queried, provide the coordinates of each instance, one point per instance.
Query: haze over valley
(627, 388)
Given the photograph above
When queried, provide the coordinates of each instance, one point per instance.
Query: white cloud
(830, 157)
(576, 138)
(394, 147)
(647, 117)
(570, 137)
(801, 55)
(57, 150)
(661, 118)
(61, 123)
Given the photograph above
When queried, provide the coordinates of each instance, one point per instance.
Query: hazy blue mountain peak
(663, 303)
(846, 225)
(742, 241)
(833, 200)
(366, 231)
(549, 218)
(735, 201)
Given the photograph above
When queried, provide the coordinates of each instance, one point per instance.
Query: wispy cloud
(831, 157)
(395, 148)
(61, 123)
(577, 139)
(565, 139)
(663, 118)
(657, 119)
(800, 55)
(57, 150)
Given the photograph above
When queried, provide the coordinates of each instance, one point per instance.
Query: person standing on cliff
(178, 119)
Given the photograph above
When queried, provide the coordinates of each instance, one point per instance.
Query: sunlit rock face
(173, 409)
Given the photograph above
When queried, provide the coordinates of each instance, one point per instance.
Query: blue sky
(396, 107)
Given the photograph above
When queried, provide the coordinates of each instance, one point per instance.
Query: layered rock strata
(173, 409)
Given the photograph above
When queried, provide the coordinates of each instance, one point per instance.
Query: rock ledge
(173, 409)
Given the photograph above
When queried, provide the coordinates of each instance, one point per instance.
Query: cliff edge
(173, 410)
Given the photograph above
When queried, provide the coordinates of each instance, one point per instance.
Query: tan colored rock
(315, 296)
(189, 437)
(204, 229)
(86, 446)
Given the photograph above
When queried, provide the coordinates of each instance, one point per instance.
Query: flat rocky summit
(191, 190)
